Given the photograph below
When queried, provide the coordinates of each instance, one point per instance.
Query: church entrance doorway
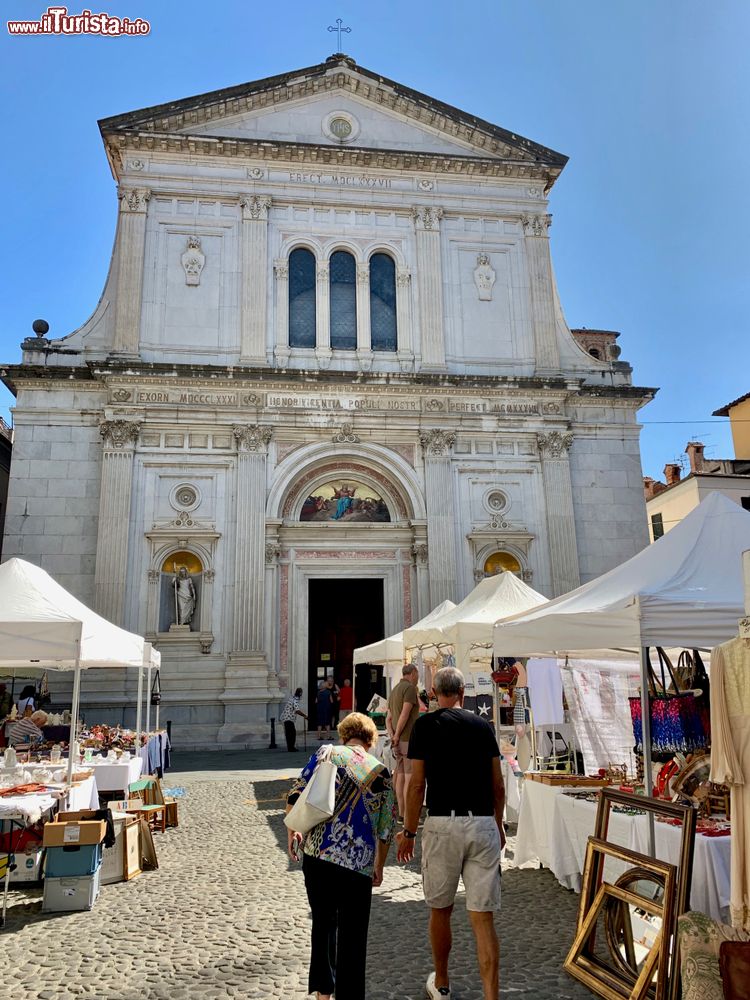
(343, 614)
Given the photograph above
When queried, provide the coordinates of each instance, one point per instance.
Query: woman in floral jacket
(343, 858)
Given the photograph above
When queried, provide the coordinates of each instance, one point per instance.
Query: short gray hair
(448, 681)
(409, 668)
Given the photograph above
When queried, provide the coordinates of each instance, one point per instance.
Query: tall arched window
(343, 271)
(383, 332)
(301, 298)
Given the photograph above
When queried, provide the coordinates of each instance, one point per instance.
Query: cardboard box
(64, 895)
(74, 828)
(122, 861)
(28, 865)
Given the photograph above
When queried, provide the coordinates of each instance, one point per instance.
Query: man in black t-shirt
(455, 754)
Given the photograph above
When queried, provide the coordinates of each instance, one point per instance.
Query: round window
(340, 126)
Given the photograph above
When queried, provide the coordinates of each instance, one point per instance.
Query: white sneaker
(433, 992)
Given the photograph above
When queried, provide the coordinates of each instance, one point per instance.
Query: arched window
(383, 335)
(343, 272)
(301, 298)
(594, 352)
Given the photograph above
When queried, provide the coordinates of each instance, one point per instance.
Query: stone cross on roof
(337, 27)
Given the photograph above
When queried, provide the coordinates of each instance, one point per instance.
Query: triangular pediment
(300, 107)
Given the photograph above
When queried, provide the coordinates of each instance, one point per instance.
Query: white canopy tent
(469, 626)
(686, 589)
(45, 627)
(391, 651)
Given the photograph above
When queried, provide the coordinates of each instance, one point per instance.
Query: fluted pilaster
(558, 493)
(252, 442)
(119, 438)
(131, 243)
(430, 280)
(253, 278)
(536, 229)
(437, 446)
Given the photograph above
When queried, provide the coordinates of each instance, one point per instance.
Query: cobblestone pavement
(226, 913)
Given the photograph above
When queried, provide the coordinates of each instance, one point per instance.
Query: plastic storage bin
(63, 895)
(73, 859)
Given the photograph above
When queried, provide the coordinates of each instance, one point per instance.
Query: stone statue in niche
(193, 261)
(184, 599)
(484, 277)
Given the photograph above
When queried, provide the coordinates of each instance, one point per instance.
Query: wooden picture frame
(620, 981)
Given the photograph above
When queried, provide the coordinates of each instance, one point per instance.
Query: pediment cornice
(168, 123)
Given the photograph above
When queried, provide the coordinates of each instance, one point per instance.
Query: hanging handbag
(156, 690)
(678, 723)
(317, 801)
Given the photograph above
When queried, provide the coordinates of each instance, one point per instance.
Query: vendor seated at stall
(28, 729)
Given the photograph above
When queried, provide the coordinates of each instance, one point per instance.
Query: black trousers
(340, 903)
(290, 732)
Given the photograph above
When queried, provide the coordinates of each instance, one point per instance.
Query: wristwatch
(408, 834)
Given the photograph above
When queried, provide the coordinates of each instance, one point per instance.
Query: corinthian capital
(255, 207)
(133, 201)
(119, 434)
(252, 437)
(554, 445)
(536, 225)
(427, 217)
(437, 442)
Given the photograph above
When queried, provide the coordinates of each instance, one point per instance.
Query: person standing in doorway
(324, 708)
(288, 716)
(335, 704)
(403, 710)
(455, 754)
(346, 698)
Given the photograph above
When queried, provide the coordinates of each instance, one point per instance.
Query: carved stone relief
(484, 277)
(255, 207)
(536, 225)
(252, 437)
(193, 261)
(133, 199)
(346, 435)
(426, 217)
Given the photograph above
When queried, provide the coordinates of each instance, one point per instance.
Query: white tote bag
(317, 800)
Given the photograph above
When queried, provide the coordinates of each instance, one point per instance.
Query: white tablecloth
(554, 829)
(117, 777)
(83, 795)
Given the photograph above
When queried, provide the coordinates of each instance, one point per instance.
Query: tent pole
(148, 700)
(139, 706)
(73, 740)
(648, 775)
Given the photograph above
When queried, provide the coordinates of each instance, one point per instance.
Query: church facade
(328, 385)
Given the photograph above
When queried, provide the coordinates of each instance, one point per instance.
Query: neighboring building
(330, 376)
(6, 449)
(739, 420)
(668, 502)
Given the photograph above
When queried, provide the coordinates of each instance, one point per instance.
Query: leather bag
(317, 801)
(734, 963)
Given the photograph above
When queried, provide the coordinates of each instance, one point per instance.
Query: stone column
(541, 283)
(282, 350)
(247, 693)
(430, 278)
(419, 551)
(253, 277)
(272, 610)
(323, 315)
(131, 243)
(441, 519)
(110, 579)
(561, 525)
(364, 342)
(403, 318)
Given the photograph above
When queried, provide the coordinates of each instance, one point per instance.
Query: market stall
(392, 651)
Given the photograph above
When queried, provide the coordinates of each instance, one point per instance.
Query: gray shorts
(465, 846)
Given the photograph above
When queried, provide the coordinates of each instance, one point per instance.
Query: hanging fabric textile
(730, 760)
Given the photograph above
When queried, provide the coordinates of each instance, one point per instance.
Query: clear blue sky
(648, 98)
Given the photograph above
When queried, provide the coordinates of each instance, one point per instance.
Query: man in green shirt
(403, 712)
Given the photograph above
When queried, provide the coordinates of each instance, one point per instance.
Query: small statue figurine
(184, 596)
(484, 277)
